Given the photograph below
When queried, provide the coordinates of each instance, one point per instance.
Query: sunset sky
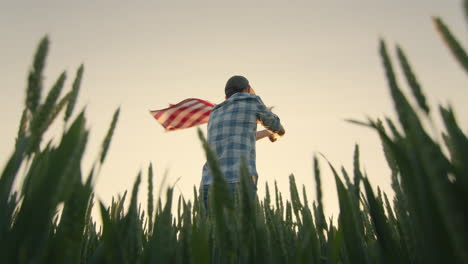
(316, 62)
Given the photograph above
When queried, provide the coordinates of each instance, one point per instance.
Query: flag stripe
(179, 112)
(203, 119)
(199, 119)
(158, 113)
(188, 113)
(175, 109)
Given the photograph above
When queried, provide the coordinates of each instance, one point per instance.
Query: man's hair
(236, 84)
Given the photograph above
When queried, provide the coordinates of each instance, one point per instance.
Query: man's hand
(272, 137)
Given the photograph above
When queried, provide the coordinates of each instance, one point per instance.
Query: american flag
(188, 113)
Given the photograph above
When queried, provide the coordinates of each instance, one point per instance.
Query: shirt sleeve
(267, 118)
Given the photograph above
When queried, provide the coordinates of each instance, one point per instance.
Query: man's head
(236, 84)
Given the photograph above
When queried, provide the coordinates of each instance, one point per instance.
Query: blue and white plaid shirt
(232, 131)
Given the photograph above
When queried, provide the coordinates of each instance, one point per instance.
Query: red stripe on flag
(188, 117)
(181, 115)
(179, 111)
(202, 119)
(164, 114)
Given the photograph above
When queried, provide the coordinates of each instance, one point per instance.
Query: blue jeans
(232, 188)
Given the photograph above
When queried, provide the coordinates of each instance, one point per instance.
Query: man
(232, 132)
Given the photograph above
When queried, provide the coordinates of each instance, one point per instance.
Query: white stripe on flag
(195, 116)
(185, 113)
(168, 113)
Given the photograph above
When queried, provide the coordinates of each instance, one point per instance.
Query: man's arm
(265, 133)
(262, 134)
(269, 120)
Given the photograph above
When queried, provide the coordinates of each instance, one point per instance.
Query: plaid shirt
(232, 131)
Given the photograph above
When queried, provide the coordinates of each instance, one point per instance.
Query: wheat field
(48, 219)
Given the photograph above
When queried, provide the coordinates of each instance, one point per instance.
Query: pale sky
(316, 62)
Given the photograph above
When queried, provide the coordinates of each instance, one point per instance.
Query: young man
(232, 132)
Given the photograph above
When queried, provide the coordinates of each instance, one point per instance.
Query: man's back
(231, 134)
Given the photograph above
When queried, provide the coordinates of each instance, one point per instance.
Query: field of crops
(48, 219)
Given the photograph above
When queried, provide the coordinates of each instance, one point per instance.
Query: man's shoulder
(238, 96)
(242, 99)
(245, 97)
